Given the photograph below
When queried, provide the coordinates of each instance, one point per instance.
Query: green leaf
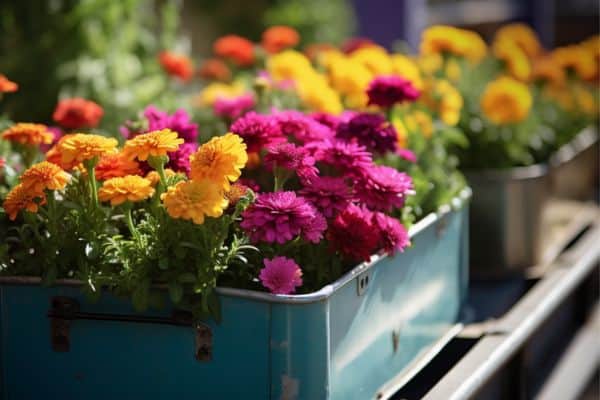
(176, 292)
(163, 263)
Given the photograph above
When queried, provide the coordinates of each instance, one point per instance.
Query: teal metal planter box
(353, 339)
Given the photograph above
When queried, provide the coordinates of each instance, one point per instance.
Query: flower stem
(129, 221)
(90, 166)
(158, 163)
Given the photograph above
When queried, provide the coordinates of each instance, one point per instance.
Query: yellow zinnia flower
(28, 134)
(375, 58)
(289, 64)
(132, 188)
(522, 36)
(444, 99)
(194, 200)
(155, 144)
(80, 147)
(408, 69)
(22, 198)
(442, 39)
(217, 90)
(220, 160)
(317, 95)
(401, 132)
(506, 101)
(577, 58)
(514, 58)
(419, 121)
(44, 175)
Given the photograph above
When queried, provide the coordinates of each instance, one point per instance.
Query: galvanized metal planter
(350, 340)
(576, 167)
(506, 219)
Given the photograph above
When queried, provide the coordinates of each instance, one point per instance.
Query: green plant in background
(102, 50)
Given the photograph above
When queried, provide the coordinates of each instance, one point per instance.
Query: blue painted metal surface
(342, 342)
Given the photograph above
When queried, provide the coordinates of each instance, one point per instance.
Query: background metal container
(576, 167)
(506, 220)
(343, 342)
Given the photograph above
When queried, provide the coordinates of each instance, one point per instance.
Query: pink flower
(257, 130)
(329, 195)
(369, 130)
(383, 188)
(326, 119)
(179, 160)
(354, 234)
(407, 155)
(234, 108)
(281, 275)
(301, 127)
(392, 234)
(179, 122)
(385, 91)
(282, 216)
(346, 157)
(290, 157)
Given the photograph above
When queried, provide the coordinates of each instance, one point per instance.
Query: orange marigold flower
(220, 160)
(44, 175)
(178, 65)
(506, 100)
(54, 155)
(80, 147)
(77, 113)
(6, 85)
(193, 200)
(440, 39)
(22, 198)
(132, 188)
(548, 70)
(578, 59)
(114, 165)
(215, 69)
(235, 48)
(277, 38)
(155, 143)
(522, 36)
(28, 134)
(235, 193)
(515, 59)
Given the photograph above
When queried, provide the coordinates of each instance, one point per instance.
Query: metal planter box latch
(64, 310)
(362, 282)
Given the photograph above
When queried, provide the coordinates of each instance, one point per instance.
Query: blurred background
(106, 50)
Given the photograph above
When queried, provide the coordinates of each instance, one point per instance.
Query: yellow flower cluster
(313, 88)
(443, 98)
(213, 167)
(514, 57)
(506, 100)
(131, 188)
(442, 39)
(80, 147)
(216, 90)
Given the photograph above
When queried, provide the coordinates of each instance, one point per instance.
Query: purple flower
(407, 155)
(290, 157)
(326, 119)
(385, 91)
(371, 131)
(393, 236)
(57, 133)
(281, 275)
(234, 108)
(178, 122)
(383, 188)
(280, 217)
(329, 195)
(250, 183)
(257, 130)
(179, 160)
(347, 157)
(303, 128)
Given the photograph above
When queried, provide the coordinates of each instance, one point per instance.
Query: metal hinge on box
(64, 310)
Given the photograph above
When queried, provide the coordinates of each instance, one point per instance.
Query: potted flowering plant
(312, 207)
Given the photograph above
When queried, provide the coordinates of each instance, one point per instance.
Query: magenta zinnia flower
(354, 233)
(329, 195)
(257, 130)
(347, 157)
(326, 119)
(407, 155)
(178, 122)
(301, 127)
(282, 216)
(281, 275)
(234, 108)
(179, 160)
(392, 234)
(370, 130)
(385, 91)
(290, 157)
(383, 188)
